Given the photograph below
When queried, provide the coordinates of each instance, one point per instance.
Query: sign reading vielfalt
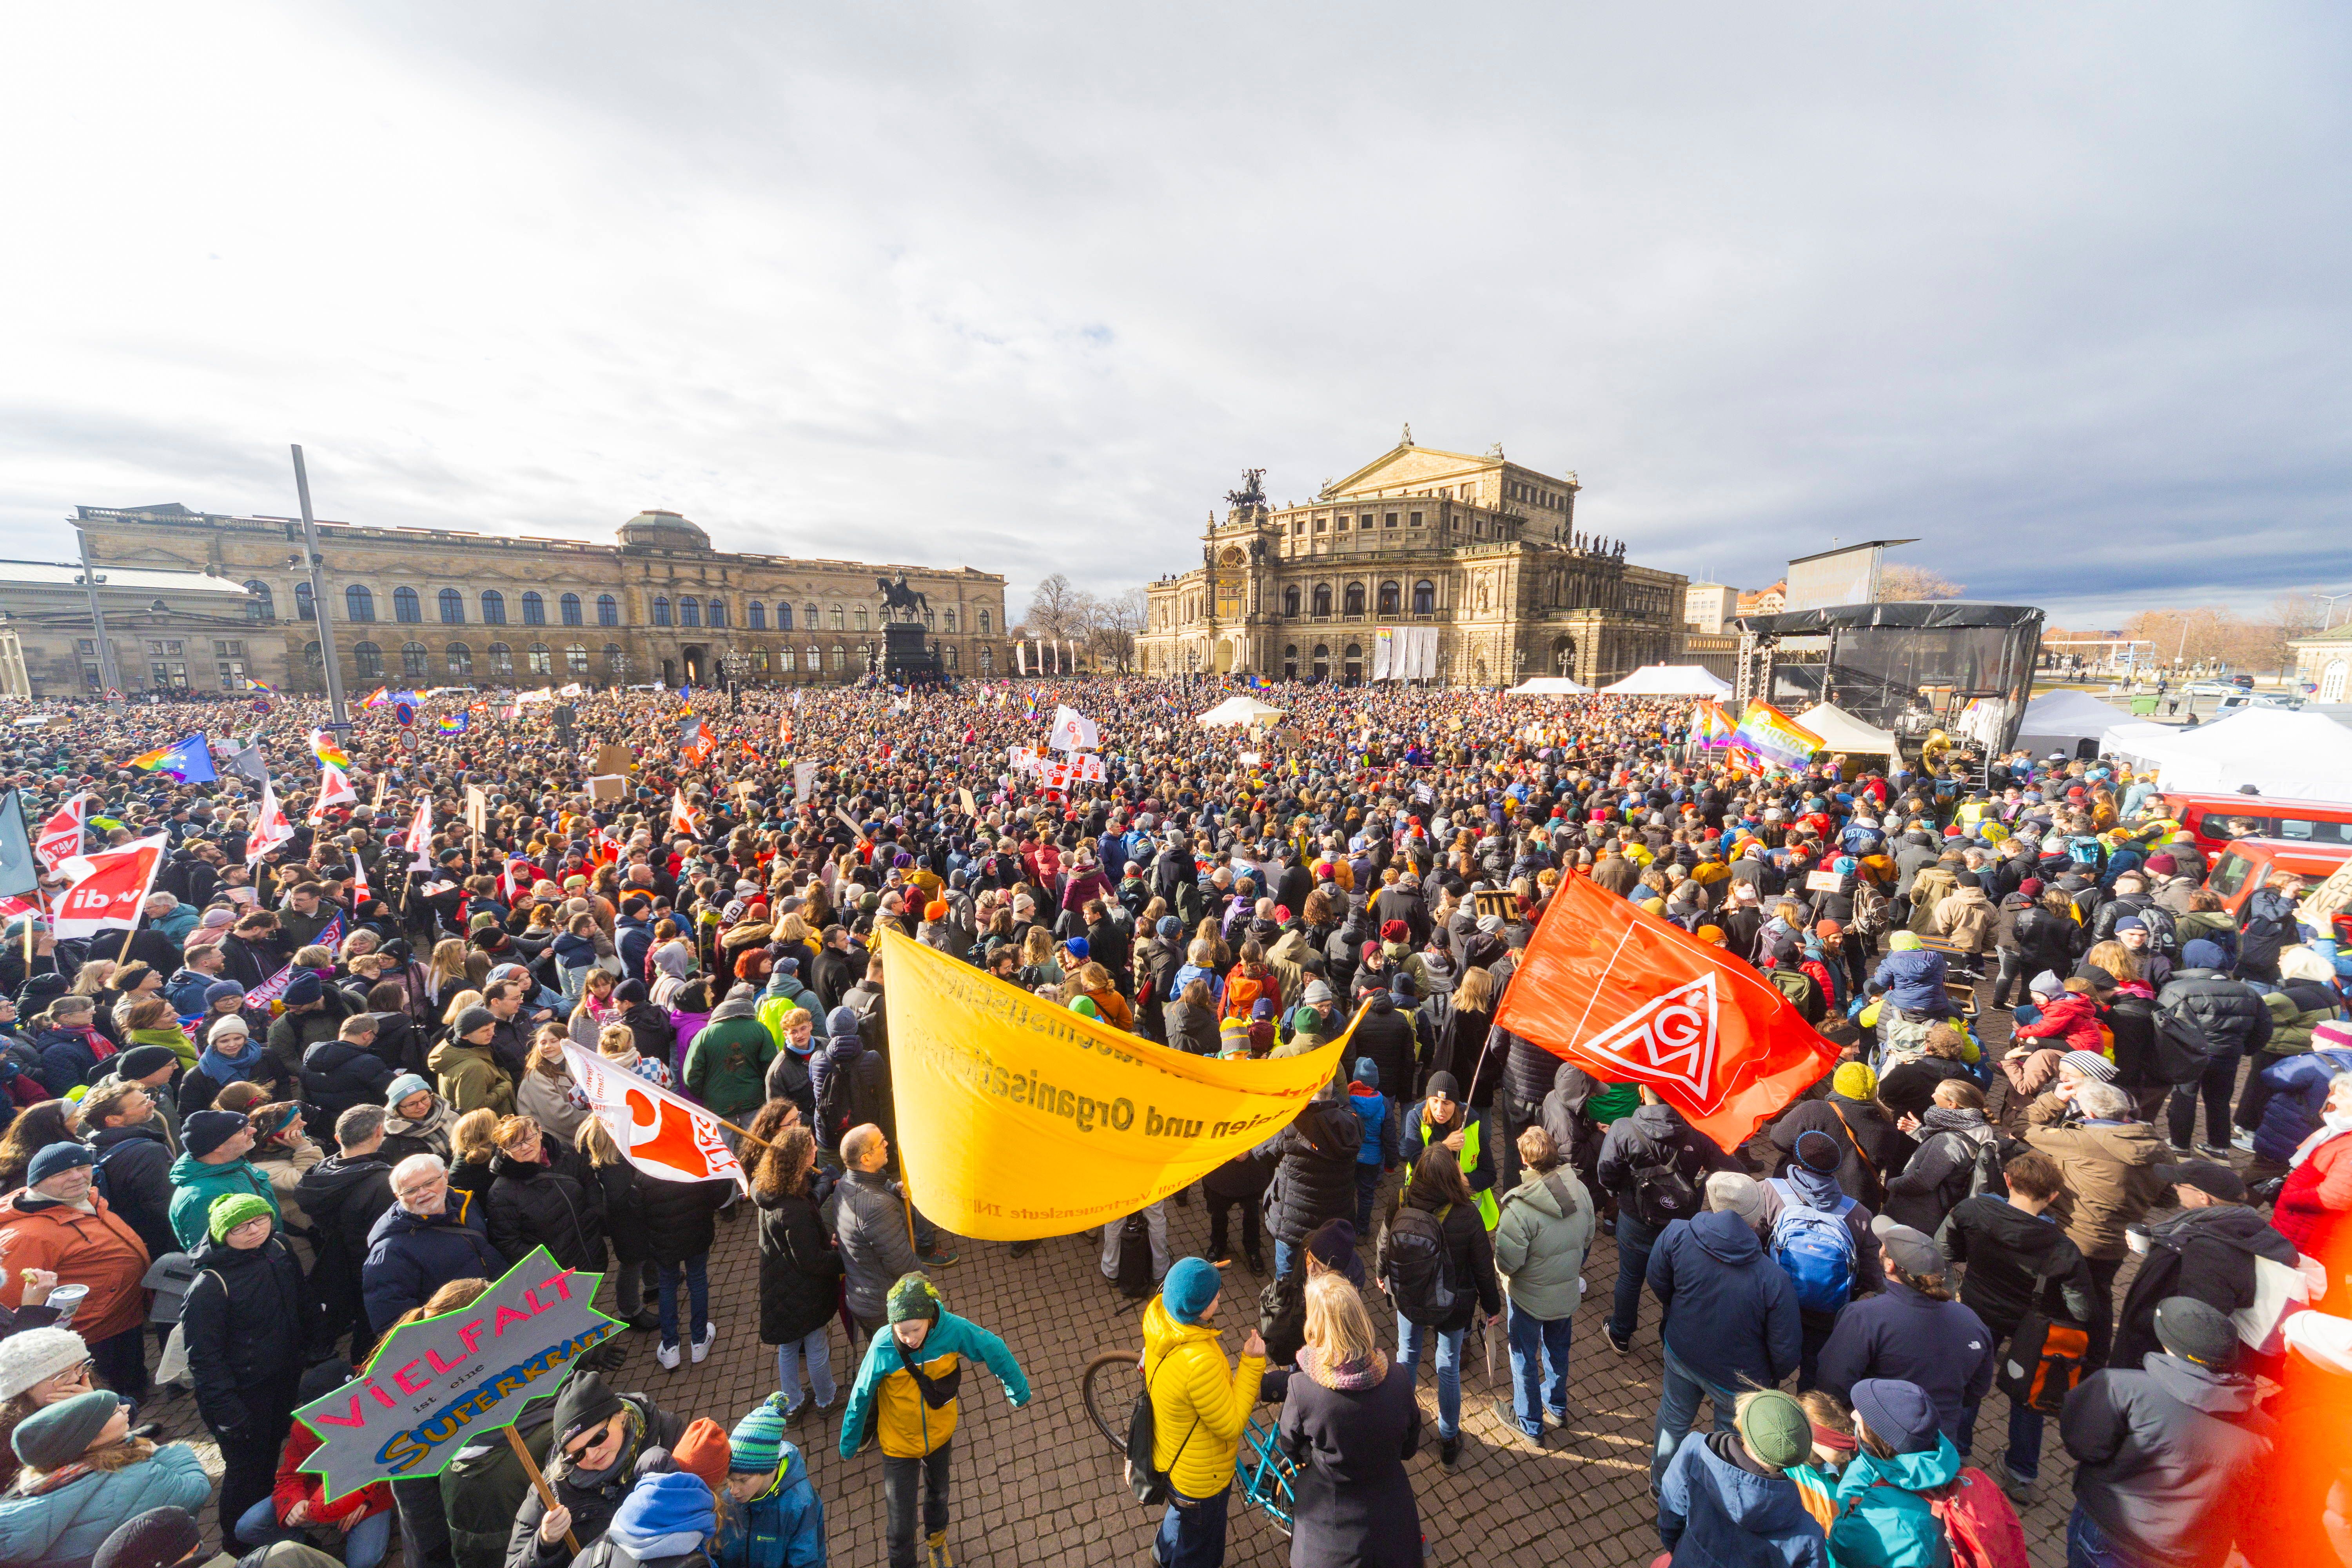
(436, 1384)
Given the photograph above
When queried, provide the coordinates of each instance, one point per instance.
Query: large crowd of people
(2031, 991)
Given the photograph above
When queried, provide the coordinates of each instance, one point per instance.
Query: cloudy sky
(2062, 291)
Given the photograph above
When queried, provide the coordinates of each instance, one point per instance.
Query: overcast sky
(2060, 290)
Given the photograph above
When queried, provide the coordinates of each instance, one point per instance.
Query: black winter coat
(1315, 1179)
(1386, 1035)
(2169, 1461)
(1862, 1171)
(1469, 1264)
(1938, 1177)
(134, 1166)
(621, 1196)
(592, 1508)
(2205, 1015)
(532, 1204)
(1353, 1499)
(344, 1198)
(1651, 1136)
(800, 1269)
(2018, 1263)
(678, 1218)
(338, 1075)
(249, 1326)
(2207, 1253)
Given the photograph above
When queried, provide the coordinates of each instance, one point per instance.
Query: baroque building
(440, 607)
(1482, 551)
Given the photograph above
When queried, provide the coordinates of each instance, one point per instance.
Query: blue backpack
(1815, 1249)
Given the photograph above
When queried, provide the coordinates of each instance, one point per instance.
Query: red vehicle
(2247, 863)
(2219, 820)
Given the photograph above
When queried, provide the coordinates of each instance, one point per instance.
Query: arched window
(542, 660)
(861, 617)
(1354, 668)
(783, 616)
(1322, 665)
(359, 603)
(569, 606)
(303, 608)
(575, 657)
(263, 605)
(453, 607)
(1322, 598)
(370, 658)
(1424, 597)
(405, 608)
(501, 660)
(758, 662)
(689, 611)
(815, 660)
(1388, 598)
(808, 613)
(1290, 662)
(661, 610)
(987, 657)
(494, 607)
(608, 610)
(1355, 600)
(412, 660)
(983, 619)
(461, 661)
(950, 613)
(930, 620)
(310, 656)
(755, 616)
(612, 658)
(840, 658)
(951, 655)
(718, 612)
(1290, 600)
(534, 609)
(839, 622)
(784, 654)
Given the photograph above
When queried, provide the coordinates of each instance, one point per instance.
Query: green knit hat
(233, 1209)
(914, 1296)
(1775, 1429)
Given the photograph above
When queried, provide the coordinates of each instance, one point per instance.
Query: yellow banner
(1020, 1120)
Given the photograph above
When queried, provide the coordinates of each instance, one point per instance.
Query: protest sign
(439, 1383)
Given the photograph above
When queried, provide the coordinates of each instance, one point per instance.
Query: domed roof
(663, 531)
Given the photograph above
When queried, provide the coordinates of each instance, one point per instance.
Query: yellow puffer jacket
(1199, 1410)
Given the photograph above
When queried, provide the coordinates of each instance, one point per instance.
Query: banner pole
(546, 1492)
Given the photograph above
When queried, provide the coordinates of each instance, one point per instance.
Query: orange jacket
(92, 1247)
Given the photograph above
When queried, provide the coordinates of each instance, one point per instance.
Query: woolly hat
(219, 989)
(1903, 941)
(156, 1539)
(704, 1451)
(1317, 993)
(1168, 925)
(57, 1434)
(586, 1402)
(1261, 1008)
(2192, 1329)
(2045, 985)
(1900, 1414)
(842, 1024)
(1855, 1080)
(140, 1060)
(1233, 1037)
(56, 1159)
(666, 1514)
(1394, 930)
(2090, 1064)
(1775, 1429)
(403, 1085)
(1368, 1072)
(206, 1131)
(229, 1024)
(27, 1358)
(2203, 954)
(233, 1209)
(1444, 1083)
(1333, 1245)
(1735, 1192)
(1817, 1150)
(1191, 1285)
(914, 1296)
(472, 1019)
(937, 909)
(1077, 946)
(757, 1444)
(304, 988)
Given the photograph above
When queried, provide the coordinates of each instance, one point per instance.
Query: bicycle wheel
(1110, 1386)
(1264, 1479)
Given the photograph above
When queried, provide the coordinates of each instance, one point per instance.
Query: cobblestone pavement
(1040, 1484)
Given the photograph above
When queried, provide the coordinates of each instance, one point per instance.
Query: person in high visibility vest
(1442, 1117)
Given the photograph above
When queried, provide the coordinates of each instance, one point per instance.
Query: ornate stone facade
(1483, 549)
(432, 607)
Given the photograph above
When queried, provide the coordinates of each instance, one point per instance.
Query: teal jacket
(1891, 1525)
(194, 1186)
(783, 1527)
(951, 1335)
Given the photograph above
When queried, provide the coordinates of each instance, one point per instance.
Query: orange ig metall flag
(1019, 1118)
(1629, 998)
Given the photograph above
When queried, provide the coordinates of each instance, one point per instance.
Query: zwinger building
(443, 606)
(1423, 564)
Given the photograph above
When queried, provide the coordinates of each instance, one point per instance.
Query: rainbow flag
(1710, 726)
(253, 685)
(452, 723)
(323, 747)
(1774, 737)
(189, 761)
(376, 698)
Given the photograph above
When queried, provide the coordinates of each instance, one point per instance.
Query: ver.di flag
(670, 1138)
(110, 888)
(1019, 1119)
(1629, 998)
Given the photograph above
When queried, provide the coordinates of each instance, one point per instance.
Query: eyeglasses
(423, 1189)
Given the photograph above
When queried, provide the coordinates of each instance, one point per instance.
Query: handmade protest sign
(436, 1385)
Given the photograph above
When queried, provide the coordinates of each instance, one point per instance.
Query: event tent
(2060, 720)
(1549, 686)
(1669, 681)
(1239, 710)
(2301, 756)
(1841, 732)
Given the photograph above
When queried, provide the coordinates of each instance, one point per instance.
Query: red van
(2219, 820)
(2247, 863)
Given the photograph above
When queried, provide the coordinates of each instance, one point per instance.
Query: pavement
(1041, 1486)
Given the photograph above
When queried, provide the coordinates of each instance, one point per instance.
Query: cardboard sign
(439, 1383)
(613, 759)
(2324, 903)
(478, 809)
(606, 787)
(970, 806)
(1823, 882)
(803, 781)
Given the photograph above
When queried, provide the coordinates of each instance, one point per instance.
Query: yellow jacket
(1199, 1410)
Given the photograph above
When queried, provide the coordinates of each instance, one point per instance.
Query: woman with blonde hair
(447, 972)
(473, 1140)
(546, 1092)
(532, 1202)
(1350, 1422)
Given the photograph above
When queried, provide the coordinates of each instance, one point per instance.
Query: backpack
(2043, 1363)
(1984, 1171)
(2182, 1051)
(1662, 1194)
(1815, 1248)
(1978, 1522)
(1873, 911)
(1801, 992)
(836, 1108)
(1415, 1266)
(1148, 1483)
(2163, 932)
(1242, 992)
(1134, 1274)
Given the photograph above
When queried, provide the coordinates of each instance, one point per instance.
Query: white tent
(1549, 686)
(1669, 681)
(1237, 711)
(2056, 720)
(1841, 732)
(2300, 756)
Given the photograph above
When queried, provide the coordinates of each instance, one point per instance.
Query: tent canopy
(1549, 686)
(2056, 719)
(2301, 756)
(1841, 732)
(1669, 681)
(1237, 711)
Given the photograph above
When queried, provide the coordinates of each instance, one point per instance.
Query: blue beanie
(1170, 925)
(1190, 1287)
(666, 1514)
(220, 988)
(403, 1085)
(841, 1023)
(1077, 946)
(2203, 954)
(757, 1442)
(305, 988)
(1368, 1072)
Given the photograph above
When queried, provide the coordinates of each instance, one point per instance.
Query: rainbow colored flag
(452, 723)
(1710, 726)
(1774, 737)
(376, 698)
(189, 761)
(323, 747)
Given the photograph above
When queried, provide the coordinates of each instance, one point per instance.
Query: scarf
(429, 1126)
(1350, 1376)
(224, 1071)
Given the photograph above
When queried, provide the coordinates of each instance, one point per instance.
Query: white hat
(27, 1358)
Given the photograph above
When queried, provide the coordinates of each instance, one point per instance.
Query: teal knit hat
(758, 1439)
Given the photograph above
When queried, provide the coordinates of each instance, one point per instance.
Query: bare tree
(1906, 583)
(1116, 622)
(1057, 610)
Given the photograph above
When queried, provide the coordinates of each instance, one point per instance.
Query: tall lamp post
(88, 581)
(323, 620)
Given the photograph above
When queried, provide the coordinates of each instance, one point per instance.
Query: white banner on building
(1384, 649)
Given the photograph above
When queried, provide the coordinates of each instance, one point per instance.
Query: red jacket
(2313, 1203)
(2073, 1016)
(294, 1486)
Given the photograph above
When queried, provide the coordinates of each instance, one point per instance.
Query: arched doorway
(1354, 668)
(1322, 665)
(698, 664)
(669, 672)
(1563, 655)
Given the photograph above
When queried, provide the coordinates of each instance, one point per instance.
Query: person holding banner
(605, 1447)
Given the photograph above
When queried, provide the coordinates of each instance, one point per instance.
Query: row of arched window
(1425, 599)
(458, 659)
(408, 609)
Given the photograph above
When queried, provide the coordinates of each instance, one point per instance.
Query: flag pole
(539, 1483)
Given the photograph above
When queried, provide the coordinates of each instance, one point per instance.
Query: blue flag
(189, 761)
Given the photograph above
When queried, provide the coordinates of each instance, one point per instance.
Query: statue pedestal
(906, 656)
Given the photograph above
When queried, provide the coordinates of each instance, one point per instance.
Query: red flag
(1628, 998)
(109, 888)
(60, 836)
